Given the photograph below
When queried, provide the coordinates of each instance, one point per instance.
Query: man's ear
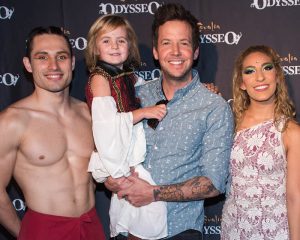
(196, 53)
(155, 53)
(27, 64)
(73, 63)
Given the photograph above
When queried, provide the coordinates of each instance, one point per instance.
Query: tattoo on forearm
(203, 187)
(193, 189)
(169, 192)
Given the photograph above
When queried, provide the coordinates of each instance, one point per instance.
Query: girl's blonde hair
(284, 107)
(106, 24)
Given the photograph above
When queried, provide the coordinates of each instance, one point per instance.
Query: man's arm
(193, 189)
(214, 165)
(8, 215)
(141, 193)
(8, 153)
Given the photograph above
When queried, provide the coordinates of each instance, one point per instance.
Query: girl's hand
(157, 112)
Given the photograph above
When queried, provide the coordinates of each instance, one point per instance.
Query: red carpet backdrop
(225, 28)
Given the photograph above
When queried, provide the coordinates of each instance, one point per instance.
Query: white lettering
(291, 70)
(262, 4)
(103, 8)
(9, 79)
(109, 8)
(212, 230)
(272, 3)
(257, 6)
(149, 75)
(229, 38)
(126, 8)
(19, 204)
(6, 13)
(152, 7)
(118, 9)
(78, 43)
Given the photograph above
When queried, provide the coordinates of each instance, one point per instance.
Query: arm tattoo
(172, 192)
(194, 189)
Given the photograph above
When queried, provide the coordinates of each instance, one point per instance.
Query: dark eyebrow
(64, 52)
(41, 52)
(46, 53)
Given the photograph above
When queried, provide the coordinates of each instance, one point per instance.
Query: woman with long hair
(264, 197)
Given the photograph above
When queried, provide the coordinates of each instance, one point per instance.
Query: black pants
(186, 235)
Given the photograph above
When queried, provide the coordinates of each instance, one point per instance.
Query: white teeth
(53, 76)
(176, 62)
(262, 87)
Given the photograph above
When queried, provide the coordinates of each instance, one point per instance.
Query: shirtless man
(48, 143)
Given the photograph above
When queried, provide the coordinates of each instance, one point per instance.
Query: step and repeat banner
(225, 29)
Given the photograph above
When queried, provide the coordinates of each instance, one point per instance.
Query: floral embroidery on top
(256, 205)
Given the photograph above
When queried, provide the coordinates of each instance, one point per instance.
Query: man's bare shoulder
(15, 115)
(14, 121)
(78, 103)
(80, 107)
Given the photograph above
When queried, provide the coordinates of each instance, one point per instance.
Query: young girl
(111, 55)
(264, 200)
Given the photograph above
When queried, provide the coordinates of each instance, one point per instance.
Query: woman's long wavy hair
(284, 107)
(106, 24)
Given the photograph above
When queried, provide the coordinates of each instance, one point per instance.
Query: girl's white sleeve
(112, 133)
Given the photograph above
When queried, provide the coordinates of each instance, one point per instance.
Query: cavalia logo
(262, 4)
(9, 79)
(129, 8)
(230, 37)
(289, 64)
(6, 12)
(78, 43)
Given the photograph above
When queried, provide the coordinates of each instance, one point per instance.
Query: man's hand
(139, 193)
(116, 184)
(213, 88)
